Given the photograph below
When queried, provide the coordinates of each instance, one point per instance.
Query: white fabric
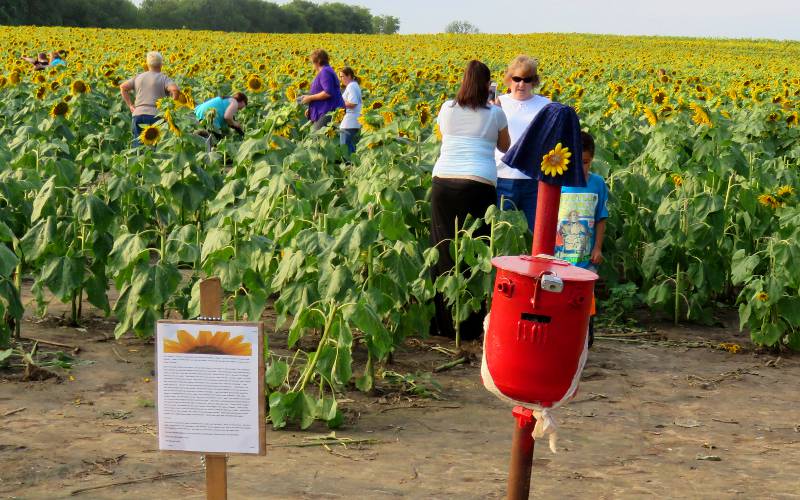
(352, 94)
(519, 114)
(545, 422)
(469, 137)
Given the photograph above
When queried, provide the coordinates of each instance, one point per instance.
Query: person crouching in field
(149, 87)
(464, 178)
(582, 218)
(326, 95)
(224, 110)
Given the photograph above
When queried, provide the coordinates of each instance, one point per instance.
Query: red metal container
(537, 326)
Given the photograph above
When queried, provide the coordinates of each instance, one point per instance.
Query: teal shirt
(219, 104)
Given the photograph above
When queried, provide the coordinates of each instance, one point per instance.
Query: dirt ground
(650, 419)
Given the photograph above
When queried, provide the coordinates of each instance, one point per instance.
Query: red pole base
(544, 230)
(519, 472)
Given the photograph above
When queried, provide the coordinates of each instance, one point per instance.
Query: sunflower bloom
(150, 135)
(168, 118)
(700, 117)
(79, 87)
(768, 201)
(792, 119)
(762, 296)
(730, 347)
(438, 132)
(556, 161)
(652, 119)
(254, 84)
(677, 180)
(219, 343)
(785, 191)
(59, 109)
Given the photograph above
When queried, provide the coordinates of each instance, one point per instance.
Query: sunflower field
(697, 140)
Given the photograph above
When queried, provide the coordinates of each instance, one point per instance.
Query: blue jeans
(349, 136)
(136, 126)
(518, 194)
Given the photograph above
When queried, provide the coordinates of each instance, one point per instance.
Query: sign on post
(210, 387)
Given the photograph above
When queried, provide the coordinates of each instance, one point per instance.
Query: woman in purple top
(326, 95)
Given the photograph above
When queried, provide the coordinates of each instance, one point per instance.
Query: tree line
(298, 16)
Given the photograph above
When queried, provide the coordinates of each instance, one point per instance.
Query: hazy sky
(779, 19)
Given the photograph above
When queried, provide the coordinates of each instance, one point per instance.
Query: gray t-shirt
(149, 87)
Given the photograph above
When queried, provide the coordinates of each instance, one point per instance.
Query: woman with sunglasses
(520, 105)
(464, 177)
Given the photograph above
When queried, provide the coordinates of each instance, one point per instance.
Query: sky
(776, 19)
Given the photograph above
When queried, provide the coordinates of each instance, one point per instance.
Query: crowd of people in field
(472, 171)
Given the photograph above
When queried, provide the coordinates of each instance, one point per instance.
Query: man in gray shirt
(149, 87)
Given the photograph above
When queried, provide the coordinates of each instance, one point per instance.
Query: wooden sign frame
(262, 417)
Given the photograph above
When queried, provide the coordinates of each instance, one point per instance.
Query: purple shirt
(325, 80)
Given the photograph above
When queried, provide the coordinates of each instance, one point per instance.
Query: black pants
(451, 198)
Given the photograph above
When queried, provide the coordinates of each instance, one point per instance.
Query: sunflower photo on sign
(205, 342)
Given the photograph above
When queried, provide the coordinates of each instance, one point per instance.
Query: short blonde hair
(526, 64)
(154, 59)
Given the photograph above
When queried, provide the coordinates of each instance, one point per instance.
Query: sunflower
(376, 105)
(556, 161)
(79, 87)
(14, 77)
(41, 92)
(59, 109)
(150, 135)
(168, 118)
(666, 111)
(291, 92)
(206, 343)
(785, 191)
(677, 180)
(762, 296)
(388, 117)
(437, 132)
(39, 78)
(768, 201)
(652, 119)
(254, 84)
(730, 347)
(792, 119)
(54, 85)
(659, 97)
(338, 115)
(700, 117)
(2, 81)
(424, 114)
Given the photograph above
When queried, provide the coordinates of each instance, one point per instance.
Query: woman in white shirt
(349, 128)
(521, 105)
(464, 177)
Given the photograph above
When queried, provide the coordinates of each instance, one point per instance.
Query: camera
(493, 91)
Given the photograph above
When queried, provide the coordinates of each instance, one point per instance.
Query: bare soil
(650, 419)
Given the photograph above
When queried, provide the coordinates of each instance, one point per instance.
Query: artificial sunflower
(556, 161)
(59, 109)
(206, 343)
(79, 87)
(150, 135)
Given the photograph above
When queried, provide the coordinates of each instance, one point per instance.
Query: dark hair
(474, 90)
(348, 71)
(587, 143)
(240, 97)
(42, 55)
(320, 57)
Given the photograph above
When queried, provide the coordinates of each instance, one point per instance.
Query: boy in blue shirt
(582, 218)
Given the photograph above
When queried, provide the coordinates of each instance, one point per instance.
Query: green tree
(461, 27)
(386, 25)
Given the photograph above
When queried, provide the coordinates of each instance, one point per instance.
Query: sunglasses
(526, 79)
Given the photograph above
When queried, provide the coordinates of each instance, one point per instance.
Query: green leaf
(742, 267)
(215, 239)
(38, 239)
(182, 245)
(5, 354)
(6, 234)
(128, 249)
(334, 283)
(8, 261)
(63, 276)
(276, 373)
(43, 199)
(280, 405)
(393, 226)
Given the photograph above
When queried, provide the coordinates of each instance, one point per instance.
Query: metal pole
(519, 472)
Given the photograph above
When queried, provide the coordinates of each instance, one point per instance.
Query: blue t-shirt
(219, 104)
(580, 210)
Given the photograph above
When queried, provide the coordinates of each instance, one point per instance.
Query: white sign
(210, 392)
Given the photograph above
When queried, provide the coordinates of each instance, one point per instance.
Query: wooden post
(216, 465)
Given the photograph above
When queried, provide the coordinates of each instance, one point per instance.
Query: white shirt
(520, 114)
(469, 137)
(352, 94)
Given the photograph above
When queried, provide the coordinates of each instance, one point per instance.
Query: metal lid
(534, 266)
